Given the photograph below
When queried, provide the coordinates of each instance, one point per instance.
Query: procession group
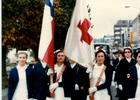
(72, 81)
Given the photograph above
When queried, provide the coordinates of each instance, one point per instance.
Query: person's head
(137, 57)
(100, 57)
(116, 54)
(121, 54)
(22, 57)
(60, 57)
(127, 53)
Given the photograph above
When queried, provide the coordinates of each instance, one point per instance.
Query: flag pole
(90, 81)
(51, 82)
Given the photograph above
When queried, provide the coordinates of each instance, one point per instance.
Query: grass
(4, 82)
(10, 64)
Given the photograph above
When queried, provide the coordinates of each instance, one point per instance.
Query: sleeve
(107, 83)
(10, 86)
(131, 82)
(35, 85)
(119, 72)
(33, 76)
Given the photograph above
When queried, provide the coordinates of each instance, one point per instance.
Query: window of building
(117, 32)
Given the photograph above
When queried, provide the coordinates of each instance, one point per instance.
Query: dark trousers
(78, 95)
(123, 94)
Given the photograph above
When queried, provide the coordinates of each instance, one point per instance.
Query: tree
(62, 11)
(22, 22)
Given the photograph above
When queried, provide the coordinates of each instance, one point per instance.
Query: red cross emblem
(84, 27)
(128, 75)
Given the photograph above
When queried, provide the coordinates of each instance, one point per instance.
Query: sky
(106, 13)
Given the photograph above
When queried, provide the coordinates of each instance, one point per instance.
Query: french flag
(46, 45)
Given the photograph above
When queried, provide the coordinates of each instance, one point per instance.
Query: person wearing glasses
(122, 71)
(133, 80)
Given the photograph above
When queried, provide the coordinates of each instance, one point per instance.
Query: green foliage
(62, 14)
(4, 82)
(32, 54)
(22, 22)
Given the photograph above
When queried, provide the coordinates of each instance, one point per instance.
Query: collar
(21, 68)
(72, 65)
(119, 58)
(44, 64)
(137, 66)
(57, 68)
(128, 60)
(98, 67)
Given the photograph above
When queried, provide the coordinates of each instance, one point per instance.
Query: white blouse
(59, 92)
(99, 94)
(21, 92)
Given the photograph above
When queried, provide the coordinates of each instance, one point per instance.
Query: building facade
(136, 31)
(122, 31)
(108, 39)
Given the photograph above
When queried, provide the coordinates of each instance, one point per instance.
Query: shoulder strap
(101, 74)
(57, 79)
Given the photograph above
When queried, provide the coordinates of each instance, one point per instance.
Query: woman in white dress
(133, 80)
(21, 79)
(63, 87)
(101, 91)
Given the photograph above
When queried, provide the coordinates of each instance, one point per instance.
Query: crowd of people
(72, 81)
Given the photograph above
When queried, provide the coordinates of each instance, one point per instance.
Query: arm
(10, 86)
(131, 82)
(107, 83)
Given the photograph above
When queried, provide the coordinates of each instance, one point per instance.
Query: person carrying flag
(63, 78)
(81, 80)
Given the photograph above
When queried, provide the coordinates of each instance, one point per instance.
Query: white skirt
(59, 95)
(101, 95)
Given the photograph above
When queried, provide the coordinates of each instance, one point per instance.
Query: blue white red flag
(79, 41)
(46, 45)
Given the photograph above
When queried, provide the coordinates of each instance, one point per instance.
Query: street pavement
(113, 91)
(4, 91)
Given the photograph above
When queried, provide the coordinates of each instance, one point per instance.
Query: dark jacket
(115, 63)
(81, 78)
(132, 81)
(67, 81)
(107, 63)
(42, 82)
(14, 78)
(115, 66)
(107, 84)
(122, 70)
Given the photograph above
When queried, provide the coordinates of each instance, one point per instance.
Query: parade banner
(46, 45)
(79, 44)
